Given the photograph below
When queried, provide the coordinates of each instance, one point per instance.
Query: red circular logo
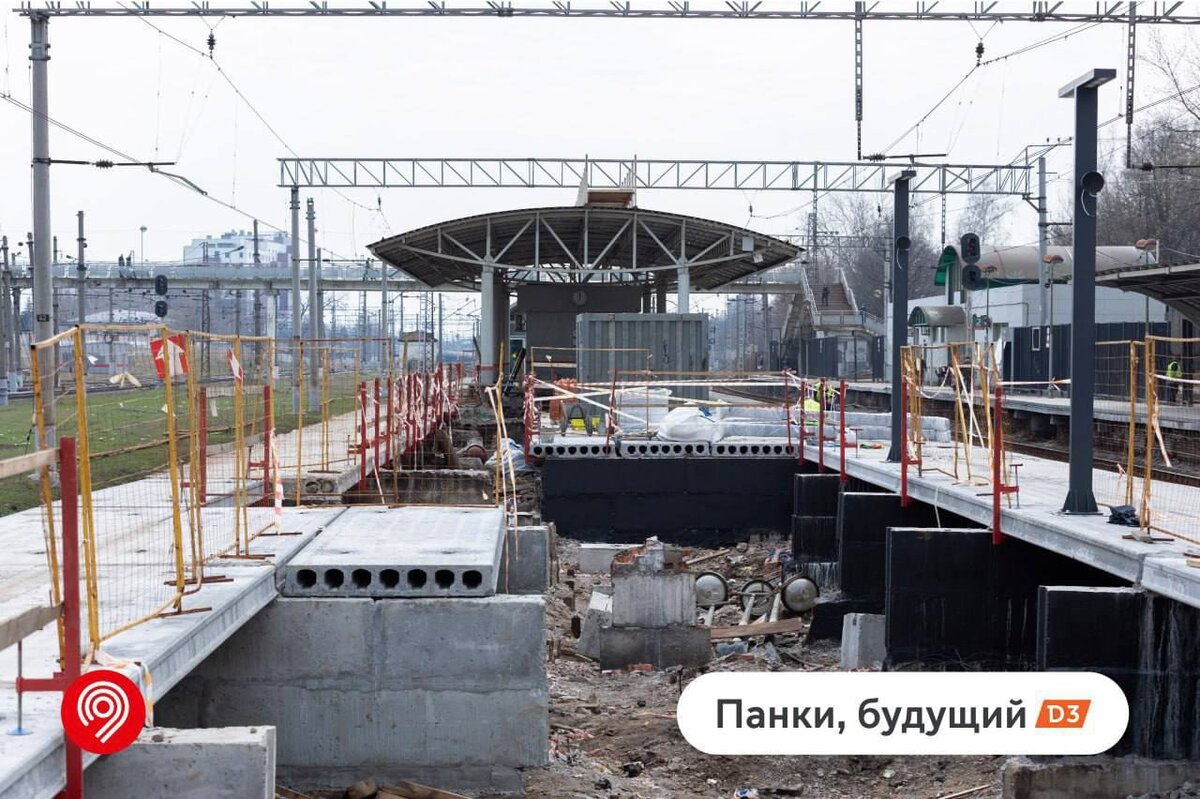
(103, 711)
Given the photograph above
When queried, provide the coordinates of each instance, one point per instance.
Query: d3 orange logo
(1063, 714)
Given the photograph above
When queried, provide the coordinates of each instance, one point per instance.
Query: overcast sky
(509, 87)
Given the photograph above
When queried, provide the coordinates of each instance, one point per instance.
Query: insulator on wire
(978, 53)
(212, 42)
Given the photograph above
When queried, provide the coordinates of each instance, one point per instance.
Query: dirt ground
(613, 734)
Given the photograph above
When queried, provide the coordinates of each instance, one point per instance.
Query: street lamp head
(1146, 244)
(1052, 259)
(1092, 79)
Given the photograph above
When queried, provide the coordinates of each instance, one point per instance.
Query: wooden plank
(23, 464)
(414, 790)
(762, 628)
(25, 623)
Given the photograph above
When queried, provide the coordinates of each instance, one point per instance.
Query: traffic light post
(160, 288)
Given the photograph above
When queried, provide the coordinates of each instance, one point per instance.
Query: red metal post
(528, 415)
(362, 435)
(391, 418)
(999, 489)
(904, 444)
(73, 656)
(202, 467)
(375, 434)
(803, 416)
(842, 430)
(787, 409)
(821, 429)
(268, 432)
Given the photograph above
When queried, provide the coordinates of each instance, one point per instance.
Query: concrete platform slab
(414, 551)
(31, 766)
(1038, 520)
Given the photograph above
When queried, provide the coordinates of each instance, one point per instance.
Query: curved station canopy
(583, 244)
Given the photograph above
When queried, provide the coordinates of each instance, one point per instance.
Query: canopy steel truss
(618, 173)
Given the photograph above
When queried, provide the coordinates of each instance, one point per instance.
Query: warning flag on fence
(235, 366)
(175, 347)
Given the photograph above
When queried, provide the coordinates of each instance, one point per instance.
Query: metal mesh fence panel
(1170, 498)
(130, 480)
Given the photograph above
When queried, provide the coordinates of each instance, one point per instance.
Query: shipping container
(632, 344)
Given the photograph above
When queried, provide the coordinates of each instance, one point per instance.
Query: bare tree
(982, 216)
(1162, 203)
(1181, 67)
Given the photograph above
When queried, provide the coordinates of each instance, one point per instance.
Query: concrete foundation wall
(953, 595)
(225, 763)
(1145, 643)
(448, 691)
(692, 500)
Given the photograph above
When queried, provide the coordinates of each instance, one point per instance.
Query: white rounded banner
(895, 713)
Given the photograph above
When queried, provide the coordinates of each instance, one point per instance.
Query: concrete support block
(599, 614)
(1093, 777)
(525, 564)
(225, 763)
(863, 520)
(653, 599)
(1144, 643)
(452, 691)
(597, 558)
(862, 640)
(828, 614)
(661, 647)
(816, 494)
(953, 595)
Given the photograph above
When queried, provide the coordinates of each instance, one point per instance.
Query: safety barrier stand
(842, 430)
(905, 458)
(821, 428)
(803, 418)
(999, 488)
(71, 660)
(362, 436)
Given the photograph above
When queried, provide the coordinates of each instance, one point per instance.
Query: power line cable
(253, 109)
(180, 180)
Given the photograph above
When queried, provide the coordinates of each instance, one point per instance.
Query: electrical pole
(441, 327)
(4, 324)
(43, 276)
(1043, 240)
(385, 314)
(295, 299)
(314, 333)
(81, 274)
(320, 298)
(256, 298)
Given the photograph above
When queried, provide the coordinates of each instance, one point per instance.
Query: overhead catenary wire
(209, 57)
(180, 180)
